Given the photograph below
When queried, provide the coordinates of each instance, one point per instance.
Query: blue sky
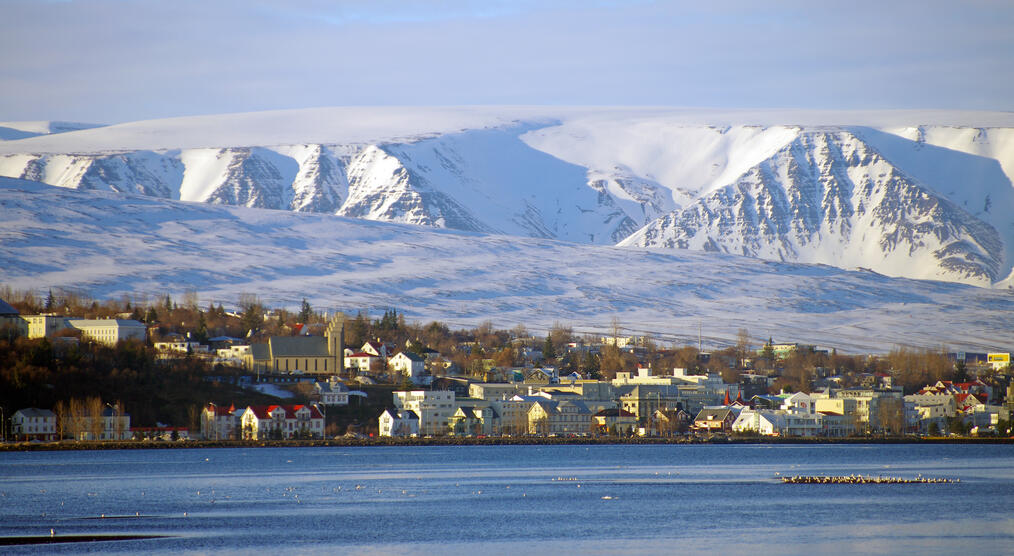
(120, 60)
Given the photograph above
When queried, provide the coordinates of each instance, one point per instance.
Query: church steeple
(335, 335)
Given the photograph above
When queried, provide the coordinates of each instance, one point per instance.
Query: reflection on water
(506, 499)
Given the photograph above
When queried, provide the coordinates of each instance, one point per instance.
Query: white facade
(434, 408)
(33, 424)
(779, 423)
(109, 331)
(332, 393)
(43, 326)
(399, 423)
(184, 346)
(219, 422)
(407, 364)
(277, 421)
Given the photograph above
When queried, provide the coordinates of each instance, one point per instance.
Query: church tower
(335, 335)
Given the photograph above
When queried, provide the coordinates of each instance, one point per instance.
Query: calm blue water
(511, 499)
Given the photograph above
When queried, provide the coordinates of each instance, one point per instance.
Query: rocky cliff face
(827, 197)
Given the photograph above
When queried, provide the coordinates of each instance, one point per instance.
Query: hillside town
(312, 376)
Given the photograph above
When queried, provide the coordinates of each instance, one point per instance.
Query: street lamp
(115, 432)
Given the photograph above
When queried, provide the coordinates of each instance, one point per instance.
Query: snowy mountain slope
(120, 244)
(972, 167)
(827, 197)
(588, 175)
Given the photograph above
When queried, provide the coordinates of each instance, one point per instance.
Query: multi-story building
(434, 408)
(111, 424)
(261, 422)
(564, 417)
(33, 424)
(219, 422)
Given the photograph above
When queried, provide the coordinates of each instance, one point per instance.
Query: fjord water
(512, 499)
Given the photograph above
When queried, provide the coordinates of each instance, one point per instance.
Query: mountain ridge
(586, 175)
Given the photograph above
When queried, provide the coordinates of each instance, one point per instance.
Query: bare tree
(743, 346)
(93, 408)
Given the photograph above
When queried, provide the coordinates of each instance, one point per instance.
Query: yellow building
(999, 361)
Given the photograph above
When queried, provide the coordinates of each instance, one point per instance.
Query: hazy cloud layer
(117, 60)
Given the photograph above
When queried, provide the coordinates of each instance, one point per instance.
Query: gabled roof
(402, 414)
(709, 414)
(412, 356)
(221, 410)
(263, 412)
(329, 387)
(6, 310)
(298, 346)
(35, 412)
(106, 322)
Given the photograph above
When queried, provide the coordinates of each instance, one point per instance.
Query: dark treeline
(45, 373)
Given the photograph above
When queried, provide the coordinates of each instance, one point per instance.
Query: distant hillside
(112, 244)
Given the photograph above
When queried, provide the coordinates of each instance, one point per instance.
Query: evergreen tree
(548, 351)
(357, 330)
(151, 317)
(960, 372)
(50, 301)
(305, 312)
(168, 304)
(768, 353)
(389, 322)
(202, 329)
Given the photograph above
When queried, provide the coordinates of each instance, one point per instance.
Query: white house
(261, 422)
(779, 422)
(378, 348)
(399, 422)
(766, 422)
(363, 361)
(408, 364)
(332, 393)
(33, 424)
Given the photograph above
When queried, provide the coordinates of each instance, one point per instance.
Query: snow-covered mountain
(915, 194)
(828, 197)
(108, 245)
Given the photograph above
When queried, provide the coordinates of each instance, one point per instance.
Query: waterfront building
(399, 422)
(260, 422)
(33, 424)
(433, 407)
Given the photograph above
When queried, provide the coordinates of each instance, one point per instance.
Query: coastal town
(275, 375)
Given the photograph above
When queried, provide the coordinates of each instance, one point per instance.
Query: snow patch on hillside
(110, 245)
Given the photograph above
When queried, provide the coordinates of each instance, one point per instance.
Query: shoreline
(469, 441)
